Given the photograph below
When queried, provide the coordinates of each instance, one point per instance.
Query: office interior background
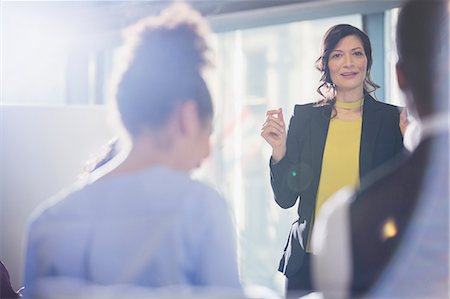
(56, 60)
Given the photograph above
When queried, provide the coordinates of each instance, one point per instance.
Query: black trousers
(300, 283)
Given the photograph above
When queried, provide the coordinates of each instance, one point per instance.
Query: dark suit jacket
(297, 175)
(391, 194)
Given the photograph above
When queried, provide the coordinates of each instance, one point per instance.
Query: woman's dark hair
(329, 43)
(164, 63)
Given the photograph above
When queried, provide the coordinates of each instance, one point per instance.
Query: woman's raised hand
(274, 132)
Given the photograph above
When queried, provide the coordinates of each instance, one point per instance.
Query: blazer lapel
(371, 124)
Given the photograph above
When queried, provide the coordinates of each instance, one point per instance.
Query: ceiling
(96, 20)
(212, 7)
(130, 11)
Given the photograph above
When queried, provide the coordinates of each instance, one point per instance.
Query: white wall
(42, 150)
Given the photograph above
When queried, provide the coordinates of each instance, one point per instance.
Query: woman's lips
(348, 75)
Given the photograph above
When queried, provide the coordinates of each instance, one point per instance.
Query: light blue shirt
(152, 228)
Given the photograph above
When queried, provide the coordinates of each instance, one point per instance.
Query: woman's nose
(348, 60)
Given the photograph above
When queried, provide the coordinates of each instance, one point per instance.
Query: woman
(330, 144)
(141, 220)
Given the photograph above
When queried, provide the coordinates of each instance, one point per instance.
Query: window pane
(393, 93)
(54, 52)
(33, 60)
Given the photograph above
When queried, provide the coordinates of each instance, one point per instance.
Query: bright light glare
(36, 43)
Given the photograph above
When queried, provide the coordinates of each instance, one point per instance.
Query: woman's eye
(358, 53)
(336, 55)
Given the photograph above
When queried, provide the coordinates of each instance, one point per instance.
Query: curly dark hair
(330, 40)
(163, 60)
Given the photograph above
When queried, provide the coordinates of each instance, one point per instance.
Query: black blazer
(393, 193)
(297, 175)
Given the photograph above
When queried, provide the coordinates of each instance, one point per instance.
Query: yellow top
(340, 164)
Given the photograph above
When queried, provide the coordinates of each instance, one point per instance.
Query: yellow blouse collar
(349, 106)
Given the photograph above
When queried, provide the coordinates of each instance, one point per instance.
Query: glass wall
(393, 93)
(33, 59)
(55, 52)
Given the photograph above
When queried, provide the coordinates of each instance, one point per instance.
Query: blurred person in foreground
(141, 220)
(391, 236)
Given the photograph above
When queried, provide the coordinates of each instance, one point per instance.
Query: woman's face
(348, 64)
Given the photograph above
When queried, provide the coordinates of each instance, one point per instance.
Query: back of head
(423, 45)
(161, 66)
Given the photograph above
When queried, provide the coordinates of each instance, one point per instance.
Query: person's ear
(188, 117)
(401, 80)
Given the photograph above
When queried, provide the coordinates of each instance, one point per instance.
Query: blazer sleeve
(392, 123)
(399, 146)
(285, 173)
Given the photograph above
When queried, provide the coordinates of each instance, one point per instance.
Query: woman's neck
(350, 96)
(349, 104)
(148, 151)
(145, 152)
